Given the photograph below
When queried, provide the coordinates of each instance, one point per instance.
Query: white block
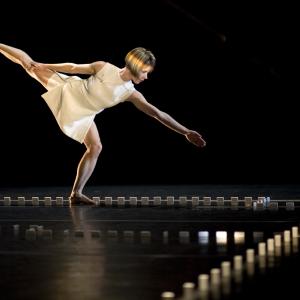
(262, 249)
(234, 201)
(108, 201)
(206, 201)
(145, 201)
(215, 276)
(21, 201)
(203, 237)
(188, 290)
(239, 237)
(133, 201)
(226, 268)
(184, 237)
(195, 201)
(35, 201)
(48, 201)
(59, 201)
(250, 256)
(7, 201)
(270, 246)
(170, 201)
(287, 235)
(238, 262)
(220, 201)
(121, 201)
(277, 239)
(165, 237)
(97, 200)
(221, 237)
(248, 202)
(290, 205)
(203, 282)
(182, 201)
(157, 200)
(295, 231)
(16, 229)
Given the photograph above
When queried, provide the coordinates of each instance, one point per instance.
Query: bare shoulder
(98, 65)
(136, 96)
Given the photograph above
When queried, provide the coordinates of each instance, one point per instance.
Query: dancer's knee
(95, 149)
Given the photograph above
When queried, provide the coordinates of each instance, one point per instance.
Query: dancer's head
(138, 59)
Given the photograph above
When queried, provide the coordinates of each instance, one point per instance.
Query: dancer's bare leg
(86, 166)
(20, 57)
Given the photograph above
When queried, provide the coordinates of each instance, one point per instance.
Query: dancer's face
(142, 74)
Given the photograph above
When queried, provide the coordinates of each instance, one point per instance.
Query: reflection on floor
(175, 249)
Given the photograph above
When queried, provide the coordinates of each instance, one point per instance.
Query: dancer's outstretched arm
(142, 104)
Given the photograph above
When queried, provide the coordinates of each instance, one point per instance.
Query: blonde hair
(137, 58)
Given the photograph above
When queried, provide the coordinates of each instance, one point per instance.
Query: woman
(75, 102)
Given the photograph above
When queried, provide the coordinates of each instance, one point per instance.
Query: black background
(218, 72)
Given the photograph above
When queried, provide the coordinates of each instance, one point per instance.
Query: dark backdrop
(218, 72)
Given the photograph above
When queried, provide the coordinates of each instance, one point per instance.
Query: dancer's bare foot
(77, 198)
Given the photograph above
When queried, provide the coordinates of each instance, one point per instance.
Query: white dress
(75, 102)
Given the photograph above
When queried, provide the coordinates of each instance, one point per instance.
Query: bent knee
(95, 149)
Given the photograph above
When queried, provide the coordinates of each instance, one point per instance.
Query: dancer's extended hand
(195, 138)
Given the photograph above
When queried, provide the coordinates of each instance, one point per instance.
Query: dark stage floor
(137, 253)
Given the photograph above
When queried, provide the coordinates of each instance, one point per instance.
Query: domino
(7, 201)
(207, 201)
(59, 201)
(157, 201)
(133, 201)
(121, 201)
(35, 201)
(48, 201)
(145, 201)
(21, 201)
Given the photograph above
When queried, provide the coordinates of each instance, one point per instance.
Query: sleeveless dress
(75, 102)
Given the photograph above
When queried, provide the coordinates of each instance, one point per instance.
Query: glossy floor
(138, 253)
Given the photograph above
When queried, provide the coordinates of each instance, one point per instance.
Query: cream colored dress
(75, 102)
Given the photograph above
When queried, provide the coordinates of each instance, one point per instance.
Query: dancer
(75, 102)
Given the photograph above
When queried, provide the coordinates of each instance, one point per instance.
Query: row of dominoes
(218, 281)
(169, 201)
